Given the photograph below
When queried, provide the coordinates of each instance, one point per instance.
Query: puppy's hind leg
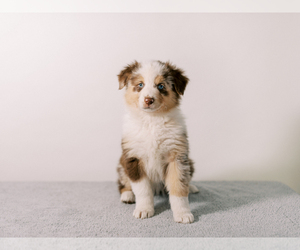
(193, 189)
(128, 197)
(125, 189)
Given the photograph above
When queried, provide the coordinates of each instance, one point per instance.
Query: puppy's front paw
(143, 213)
(183, 217)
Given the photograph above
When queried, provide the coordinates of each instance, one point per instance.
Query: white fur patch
(181, 209)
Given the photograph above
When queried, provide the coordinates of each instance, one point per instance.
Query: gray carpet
(93, 209)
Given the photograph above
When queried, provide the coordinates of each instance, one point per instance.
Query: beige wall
(61, 112)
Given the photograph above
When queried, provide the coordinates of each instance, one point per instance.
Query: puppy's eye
(160, 86)
(141, 85)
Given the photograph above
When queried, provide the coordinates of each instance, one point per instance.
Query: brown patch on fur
(131, 94)
(126, 73)
(168, 98)
(123, 181)
(175, 183)
(176, 75)
(137, 88)
(133, 167)
(135, 81)
(179, 170)
(121, 186)
(192, 169)
(163, 91)
(159, 79)
(170, 101)
(132, 97)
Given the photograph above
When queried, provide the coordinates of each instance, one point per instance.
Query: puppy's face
(152, 87)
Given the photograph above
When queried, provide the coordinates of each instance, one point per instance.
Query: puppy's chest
(151, 142)
(152, 148)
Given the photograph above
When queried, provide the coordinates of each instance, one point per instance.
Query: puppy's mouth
(150, 109)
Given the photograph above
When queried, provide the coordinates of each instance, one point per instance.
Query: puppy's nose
(149, 100)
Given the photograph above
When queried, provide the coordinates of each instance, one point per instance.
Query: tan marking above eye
(159, 79)
(137, 79)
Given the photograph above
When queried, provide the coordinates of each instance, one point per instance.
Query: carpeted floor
(93, 209)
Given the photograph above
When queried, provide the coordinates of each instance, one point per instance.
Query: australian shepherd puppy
(155, 147)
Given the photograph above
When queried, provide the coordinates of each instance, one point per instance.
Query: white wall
(61, 111)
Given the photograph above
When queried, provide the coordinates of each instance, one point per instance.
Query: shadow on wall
(282, 166)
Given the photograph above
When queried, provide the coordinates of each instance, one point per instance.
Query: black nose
(149, 100)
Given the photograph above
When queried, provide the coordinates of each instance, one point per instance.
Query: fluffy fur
(154, 144)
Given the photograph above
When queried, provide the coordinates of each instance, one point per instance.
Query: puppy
(155, 149)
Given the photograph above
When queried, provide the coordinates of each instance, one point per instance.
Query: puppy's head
(152, 87)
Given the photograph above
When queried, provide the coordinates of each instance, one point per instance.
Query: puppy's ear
(178, 78)
(126, 73)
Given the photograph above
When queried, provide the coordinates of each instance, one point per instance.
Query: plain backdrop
(61, 110)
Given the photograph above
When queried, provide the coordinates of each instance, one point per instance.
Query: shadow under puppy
(154, 143)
